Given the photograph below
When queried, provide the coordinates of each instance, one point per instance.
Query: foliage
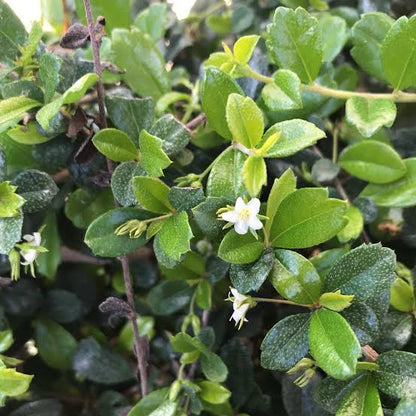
(260, 149)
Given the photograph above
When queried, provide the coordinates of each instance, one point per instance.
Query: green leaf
(175, 235)
(101, 237)
(136, 53)
(122, 182)
(56, 345)
(240, 249)
(248, 277)
(372, 161)
(401, 296)
(83, 207)
(333, 344)
(335, 301)
(295, 135)
(307, 217)
(406, 407)
(334, 36)
(28, 134)
(12, 34)
(152, 158)
(167, 408)
(6, 339)
(169, 99)
(244, 48)
(254, 174)
(13, 109)
(286, 343)
(49, 66)
(148, 403)
(203, 295)
(10, 233)
(153, 20)
(398, 53)
(131, 115)
(285, 93)
(362, 400)
(169, 297)
(294, 42)
(70, 96)
(396, 375)
(366, 266)
(281, 188)
(48, 262)
(225, 179)
(213, 393)
(115, 145)
(100, 365)
(220, 24)
(244, 119)
(13, 383)
(205, 215)
(295, 278)
(215, 90)
(399, 194)
(186, 198)
(354, 226)
(35, 35)
(116, 12)
(37, 188)
(10, 202)
(369, 116)
(152, 194)
(367, 36)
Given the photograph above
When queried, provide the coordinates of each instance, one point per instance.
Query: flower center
(244, 215)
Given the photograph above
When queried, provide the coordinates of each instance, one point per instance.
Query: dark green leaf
(169, 297)
(406, 407)
(10, 233)
(205, 215)
(63, 306)
(48, 262)
(184, 199)
(122, 182)
(149, 403)
(240, 249)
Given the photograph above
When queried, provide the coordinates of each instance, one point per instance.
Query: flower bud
(14, 259)
(303, 364)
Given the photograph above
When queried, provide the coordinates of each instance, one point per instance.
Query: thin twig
(197, 121)
(68, 255)
(369, 353)
(141, 344)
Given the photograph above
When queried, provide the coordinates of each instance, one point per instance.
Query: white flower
(244, 216)
(241, 305)
(30, 254)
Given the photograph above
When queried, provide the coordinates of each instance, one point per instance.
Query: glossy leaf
(337, 359)
(244, 48)
(169, 297)
(334, 36)
(254, 175)
(245, 120)
(285, 93)
(286, 343)
(240, 249)
(12, 110)
(295, 278)
(152, 194)
(115, 145)
(402, 296)
(28, 134)
(152, 158)
(10, 202)
(354, 226)
(122, 182)
(294, 42)
(368, 116)
(10, 233)
(215, 90)
(372, 161)
(307, 217)
(213, 393)
(13, 383)
(335, 301)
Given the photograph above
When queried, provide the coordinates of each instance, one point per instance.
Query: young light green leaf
(400, 194)
(28, 134)
(135, 52)
(362, 400)
(13, 109)
(398, 53)
(115, 145)
(175, 235)
(245, 120)
(401, 295)
(372, 161)
(336, 301)
(254, 175)
(35, 35)
(285, 93)
(294, 42)
(281, 188)
(153, 20)
(152, 157)
(215, 89)
(295, 135)
(354, 225)
(333, 344)
(213, 393)
(152, 194)
(240, 249)
(10, 202)
(49, 66)
(13, 383)
(333, 34)
(244, 48)
(369, 116)
(307, 217)
(367, 36)
(295, 278)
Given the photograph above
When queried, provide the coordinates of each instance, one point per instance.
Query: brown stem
(68, 255)
(141, 344)
(369, 353)
(194, 123)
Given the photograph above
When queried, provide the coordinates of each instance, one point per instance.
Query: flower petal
(239, 204)
(241, 227)
(37, 239)
(230, 216)
(28, 237)
(29, 255)
(254, 206)
(255, 223)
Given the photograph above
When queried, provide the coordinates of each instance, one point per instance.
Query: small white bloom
(240, 306)
(244, 216)
(30, 254)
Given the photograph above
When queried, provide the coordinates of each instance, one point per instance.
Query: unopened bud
(301, 365)
(134, 228)
(14, 259)
(305, 378)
